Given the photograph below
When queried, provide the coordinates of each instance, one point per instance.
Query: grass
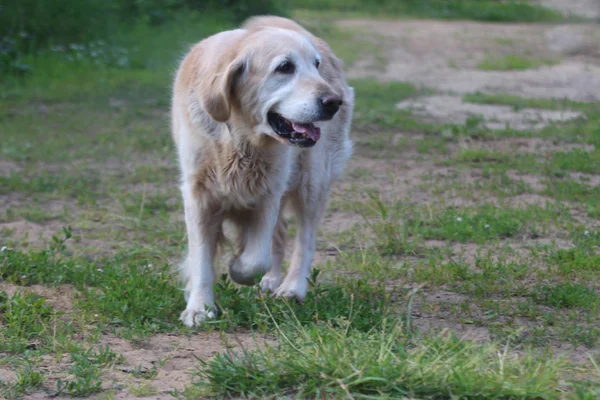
(397, 226)
(483, 10)
(567, 296)
(522, 102)
(114, 290)
(512, 62)
(447, 252)
(386, 362)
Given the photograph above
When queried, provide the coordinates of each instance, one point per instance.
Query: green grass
(512, 62)
(115, 291)
(483, 10)
(28, 380)
(522, 102)
(570, 190)
(496, 161)
(397, 226)
(576, 160)
(386, 362)
(567, 296)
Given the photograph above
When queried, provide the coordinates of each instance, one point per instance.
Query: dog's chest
(243, 179)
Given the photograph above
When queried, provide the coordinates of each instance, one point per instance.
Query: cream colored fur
(235, 168)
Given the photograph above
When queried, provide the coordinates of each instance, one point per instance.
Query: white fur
(297, 178)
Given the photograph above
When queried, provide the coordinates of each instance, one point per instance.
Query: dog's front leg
(258, 228)
(203, 224)
(308, 213)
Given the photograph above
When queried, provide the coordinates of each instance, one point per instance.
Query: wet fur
(233, 172)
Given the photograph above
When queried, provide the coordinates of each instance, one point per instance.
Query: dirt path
(444, 55)
(579, 8)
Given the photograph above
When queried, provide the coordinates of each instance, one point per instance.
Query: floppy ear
(216, 87)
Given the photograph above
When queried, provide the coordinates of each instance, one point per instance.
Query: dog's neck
(241, 136)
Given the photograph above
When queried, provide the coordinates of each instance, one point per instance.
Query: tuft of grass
(513, 62)
(143, 389)
(26, 319)
(568, 295)
(576, 160)
(388, 362)
(28, 379)
(574, 191)
(84, 376)
(581, 262)
(375, 105)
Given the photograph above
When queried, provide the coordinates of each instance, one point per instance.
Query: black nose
(330, 105)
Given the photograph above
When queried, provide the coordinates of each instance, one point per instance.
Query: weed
(27, 380)
(84, 379)
(143, 389)
(25, 319)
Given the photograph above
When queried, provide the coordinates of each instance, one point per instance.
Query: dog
(261, 117)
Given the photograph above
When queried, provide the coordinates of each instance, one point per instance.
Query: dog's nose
(330, 105)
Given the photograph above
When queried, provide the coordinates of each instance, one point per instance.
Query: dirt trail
(579, 8)
(444, 55)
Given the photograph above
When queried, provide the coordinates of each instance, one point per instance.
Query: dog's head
(271, 81)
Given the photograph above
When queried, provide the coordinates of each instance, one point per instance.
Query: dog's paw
(293, 289)
(193, 317)
(244, 273)
(269, 283)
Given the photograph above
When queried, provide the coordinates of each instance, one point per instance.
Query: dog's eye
(317, 63)
(286, 67)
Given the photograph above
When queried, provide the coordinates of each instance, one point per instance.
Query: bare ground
(444, 55)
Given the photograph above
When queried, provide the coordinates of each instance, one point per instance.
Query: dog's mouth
(297, 134)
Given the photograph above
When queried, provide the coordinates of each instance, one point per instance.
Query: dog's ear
(216, 85)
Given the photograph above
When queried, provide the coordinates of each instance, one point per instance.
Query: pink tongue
(312, 131)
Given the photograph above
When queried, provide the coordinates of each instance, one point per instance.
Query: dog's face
(277, 88)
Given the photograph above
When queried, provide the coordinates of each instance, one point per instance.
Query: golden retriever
(261, 118)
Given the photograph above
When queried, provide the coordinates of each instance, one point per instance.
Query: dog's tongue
(312, 131)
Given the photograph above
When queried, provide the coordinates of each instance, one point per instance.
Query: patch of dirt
(18, 200)
(444, 55)
(431, 313)
(452, 109)
(7, 375)
(8, 167)
(536, 182)
(588, 179)
(575, 40)
(29, 234)
(580, 8)
(174, 356)
(393, 178)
